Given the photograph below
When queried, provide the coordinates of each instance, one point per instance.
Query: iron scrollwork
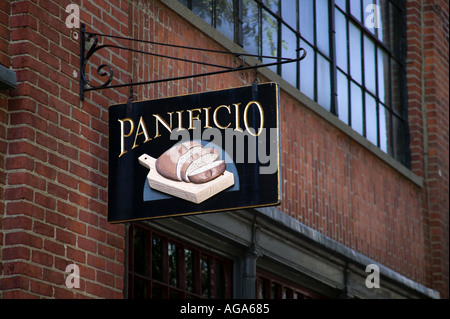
(105, 70)
(85, 84)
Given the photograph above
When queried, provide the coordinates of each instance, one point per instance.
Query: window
(355, 67)
(270, 287)
(163, 268)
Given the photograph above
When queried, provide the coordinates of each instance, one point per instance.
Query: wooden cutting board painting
(196, 193)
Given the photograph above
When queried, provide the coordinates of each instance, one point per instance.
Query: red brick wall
(4, 33)
(428, 54)
(56, 161)
(153, 21)
(5, 61)
(332, 184)
(53, 158)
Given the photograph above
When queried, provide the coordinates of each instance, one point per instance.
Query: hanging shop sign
(196, 153)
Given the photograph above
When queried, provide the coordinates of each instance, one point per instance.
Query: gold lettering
(180, 121)
(192, 118)
(123, 135)
(127, 125)
(144, 131)
(215, 116)
(207, 117)
(159, 119)
(261, 114)
(237, 119)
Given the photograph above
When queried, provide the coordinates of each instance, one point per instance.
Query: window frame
(397, 142)
(168, 289)
(271, 281)
(400, 151)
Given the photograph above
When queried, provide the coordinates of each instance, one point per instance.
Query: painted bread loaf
(207, 173)
(169, 165)
(190, 162)
(197, 160)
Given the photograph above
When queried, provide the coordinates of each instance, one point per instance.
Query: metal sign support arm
(107, 71)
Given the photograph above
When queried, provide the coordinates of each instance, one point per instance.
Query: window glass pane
(275, 291)
(323, 82)
(341, 4)
(288, 50)
(289, 13)
(269, 38)
(307, 20)
(220, 281)
(356, 108)
(225, 17)
(369, 65)
(203, 8)
(383, 76)
(205, 269)
(341, 40)
(190, 270)
(285, 293)
(355, 53)
(139, 251)
(272, 5)
(370, 13)
(384, 20)
(342, 98)
(383, 118)
(140, 289)
(397, 138)
(395, 87)
(157, 292)
(355, 9)
(261, 291)
(371, 119)
(173, 294)
(174, 267)
(307, 79)
(323, 34)
(250, 26)
(157, 259)
(394, 29)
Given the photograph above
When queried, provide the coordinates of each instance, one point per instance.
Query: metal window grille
(269, 286)
(163, 268)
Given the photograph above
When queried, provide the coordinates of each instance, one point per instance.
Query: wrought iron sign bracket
(107, 71)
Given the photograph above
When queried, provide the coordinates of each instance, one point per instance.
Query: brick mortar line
(55, 181)
(63, 286)
(57, 140)
(85, 264)
(42, 236)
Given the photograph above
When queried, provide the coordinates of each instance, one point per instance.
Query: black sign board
(195, 153)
